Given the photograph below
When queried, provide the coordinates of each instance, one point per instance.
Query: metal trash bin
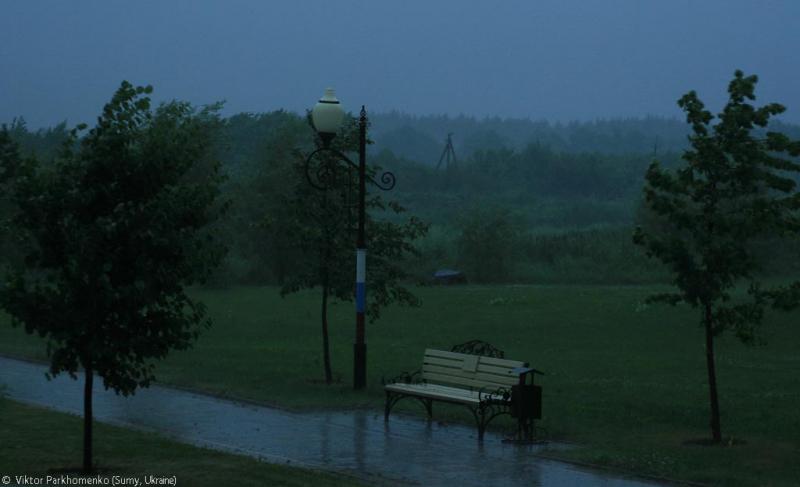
(526, 401)
(526, 405)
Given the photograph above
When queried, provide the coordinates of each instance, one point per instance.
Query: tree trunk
(326, 354)
(716, 431)
(87, 420)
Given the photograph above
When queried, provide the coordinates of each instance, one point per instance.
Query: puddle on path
(405, 449)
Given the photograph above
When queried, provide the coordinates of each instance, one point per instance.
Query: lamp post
(327, 117)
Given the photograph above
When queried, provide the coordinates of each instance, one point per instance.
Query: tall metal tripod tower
(448, 153)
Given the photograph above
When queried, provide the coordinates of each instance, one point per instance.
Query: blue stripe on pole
(361, 297)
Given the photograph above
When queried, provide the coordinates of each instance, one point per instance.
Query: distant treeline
(422, 138)
(526, 202)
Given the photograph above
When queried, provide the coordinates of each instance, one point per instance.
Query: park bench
(475, 375)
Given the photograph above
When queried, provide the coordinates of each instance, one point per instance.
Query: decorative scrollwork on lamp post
(327, 117)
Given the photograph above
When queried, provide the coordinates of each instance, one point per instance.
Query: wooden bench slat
(477, 377)
(467, 379)
(445, 390)
(452, 390)
(438, 388)
(503, 362)
(482, 367)
(442, 361)
(463, 381)
(493, 369)
(487, 372)
(484, 360)
(449, 379)
(442, 392)
(498, 374)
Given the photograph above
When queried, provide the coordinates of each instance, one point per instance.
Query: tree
(487, 243)
(44, 143)
(19, 143)
(10, 161)
(321, 224)
(734, 188)
(118, 227)
(269, 192)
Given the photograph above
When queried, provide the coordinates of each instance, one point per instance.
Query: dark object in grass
(449, 276)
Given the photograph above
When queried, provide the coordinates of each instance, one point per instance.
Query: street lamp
(327, 117)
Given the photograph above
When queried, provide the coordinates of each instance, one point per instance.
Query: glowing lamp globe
(327, 115)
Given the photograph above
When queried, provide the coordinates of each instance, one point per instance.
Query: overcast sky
(556, 60)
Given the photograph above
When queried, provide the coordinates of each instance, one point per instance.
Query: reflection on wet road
(358, 442)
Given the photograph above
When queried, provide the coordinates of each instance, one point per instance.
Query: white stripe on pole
(361, 265)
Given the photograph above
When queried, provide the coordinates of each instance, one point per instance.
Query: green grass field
(35, 442)
(626, 380)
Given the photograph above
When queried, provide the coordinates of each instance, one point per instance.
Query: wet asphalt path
(405, 450)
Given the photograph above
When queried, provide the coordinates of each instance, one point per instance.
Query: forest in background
(526, 201)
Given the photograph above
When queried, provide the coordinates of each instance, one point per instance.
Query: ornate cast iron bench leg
(481, 423)
(479, 413)
(391, 400)
(428, 403)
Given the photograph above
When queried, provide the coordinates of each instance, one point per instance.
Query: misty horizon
(544, 61)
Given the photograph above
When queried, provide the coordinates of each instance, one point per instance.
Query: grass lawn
(35, 442)
(627, 381)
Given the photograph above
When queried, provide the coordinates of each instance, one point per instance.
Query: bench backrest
(469, 371)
